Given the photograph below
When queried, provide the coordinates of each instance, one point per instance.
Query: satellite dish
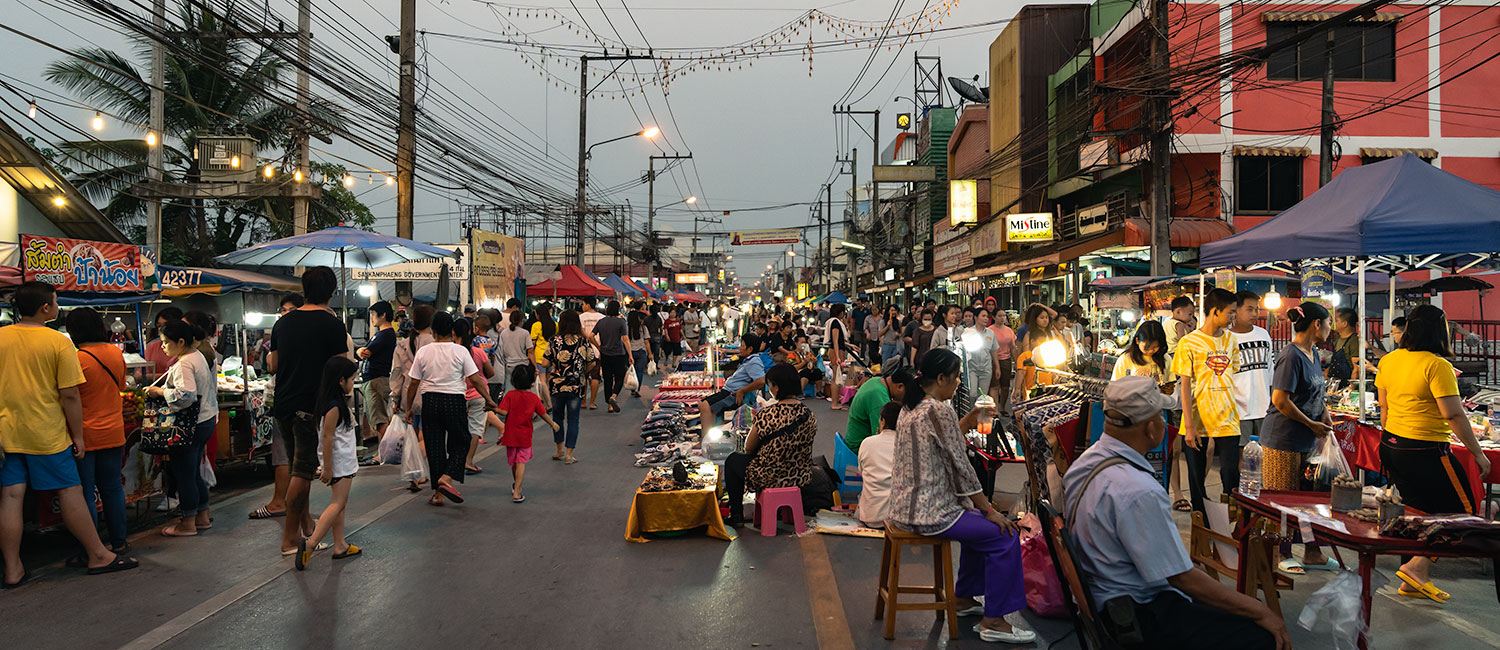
(967, 91)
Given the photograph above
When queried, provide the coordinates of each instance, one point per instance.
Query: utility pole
(582, 209)
(304, 90)
(826, 244)
(874, 186)
(406, 134)
(849, 214)
(1161, 143)
(154, 162)
(1325, 134)
(651, 195)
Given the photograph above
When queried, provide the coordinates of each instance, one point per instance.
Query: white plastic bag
(392, 442)
(632, 382)
(413, 459)
(206, 468)
(651, 368)
(1339, 600)
(1329, 458)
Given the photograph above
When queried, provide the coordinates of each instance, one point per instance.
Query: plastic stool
(773, 500)
(890, 588)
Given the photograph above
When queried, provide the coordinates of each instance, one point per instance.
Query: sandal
(266, 514)
(558, 456)
(1291, 567)
(1331, 564)
(352, 551)
(25, 575)
(80, 561)
(1182, 505)
(473, 470)
(322, 546)
(171, 531)
(303, 555)
(570, 461)
(120, 564)
(1423, 590)
(451, 492)
(434, 500)
(520, 499)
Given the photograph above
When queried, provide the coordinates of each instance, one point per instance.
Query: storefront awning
(1186, 233)
(1320, 16)
(1054, 254)
(1392, 152)
(1292, 152)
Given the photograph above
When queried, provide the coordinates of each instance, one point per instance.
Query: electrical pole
(874, 186)
(849, 214)
(1161, 143)
(651, 198)
(406, 134)
(583, 146)
(1325, 134)
(826, 244)
(304, 90)
(154, 162)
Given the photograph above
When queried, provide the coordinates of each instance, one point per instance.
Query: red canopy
(574, 282)
(689, 296)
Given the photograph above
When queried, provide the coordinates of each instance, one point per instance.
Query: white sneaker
(167, 505)
(1016, 635)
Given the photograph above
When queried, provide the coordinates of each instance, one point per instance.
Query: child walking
(337, 456)
(518, 407)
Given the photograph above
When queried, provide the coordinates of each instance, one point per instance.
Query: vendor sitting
(876, 457)
(1148, 592)
(748, 378)
(778, 451)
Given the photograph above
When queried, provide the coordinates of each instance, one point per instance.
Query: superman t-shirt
(1211, 362)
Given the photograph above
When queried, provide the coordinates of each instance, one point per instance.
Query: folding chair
(1091, 633)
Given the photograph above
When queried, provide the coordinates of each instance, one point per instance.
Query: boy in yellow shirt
(1205, 363)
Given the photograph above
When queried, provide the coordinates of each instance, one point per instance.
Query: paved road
(553, 572)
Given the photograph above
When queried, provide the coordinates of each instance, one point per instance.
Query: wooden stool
(890, 580)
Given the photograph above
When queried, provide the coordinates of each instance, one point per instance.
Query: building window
(1267, 184)
(1361, 52)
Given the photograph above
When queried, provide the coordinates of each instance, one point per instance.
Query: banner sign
(759, 237)
(80, 265)
(497, 262)
(1317, 279)
(1028, 227)
(692, 278)
(1225, 279)
(421, 269)
(801, 291)
(963, 202)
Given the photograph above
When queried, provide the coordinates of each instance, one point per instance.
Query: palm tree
(210, 84)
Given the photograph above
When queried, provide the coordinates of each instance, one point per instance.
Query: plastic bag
(392, 442)
(1044, 594)
(206, 468)
(413, 459)
(1329, 459)
(1339, 600)
(651, 368)
(632, 382)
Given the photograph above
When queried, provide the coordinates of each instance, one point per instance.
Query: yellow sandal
(1413, 589)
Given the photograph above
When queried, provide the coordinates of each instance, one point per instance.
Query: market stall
(571, 282)
(665, 503)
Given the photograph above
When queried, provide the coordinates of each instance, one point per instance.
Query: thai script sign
(80, 265)
(757, 237)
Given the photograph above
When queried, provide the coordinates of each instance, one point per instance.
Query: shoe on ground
(1015, 635)
(167, 505)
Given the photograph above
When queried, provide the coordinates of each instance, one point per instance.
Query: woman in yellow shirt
(1419, 409)
(542, 331)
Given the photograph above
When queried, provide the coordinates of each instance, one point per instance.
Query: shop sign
(1224, 279)
(1002, 282)
(1093, 154)
(81, 265)
(951, 257)
(890, 274)
(943, 233)
(759, 237)
(692, 278)
(988, 239)
(496, 263)
(1093, 219)
(428, 269)
(1317, 278)
(801, 291)
(1028, 227)
(963, 202)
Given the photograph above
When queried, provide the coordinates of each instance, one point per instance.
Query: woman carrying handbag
(191, 394)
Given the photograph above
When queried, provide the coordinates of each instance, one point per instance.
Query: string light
(31, 112)
(234, 162)
(98, 121)
(297, 176)
(348, 180)
(269, 171)
(150, 138)
(59, 201)
(390, 181)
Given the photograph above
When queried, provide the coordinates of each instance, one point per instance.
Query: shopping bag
(1340, 601)
(206, 468)
(651, 368)
(1044, 594)
(1329, 459)
(392, 442)
(413, 459)
(632, 382)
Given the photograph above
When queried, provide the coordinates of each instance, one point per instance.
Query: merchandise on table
(700, 476)
(687, 380)
(668, 434)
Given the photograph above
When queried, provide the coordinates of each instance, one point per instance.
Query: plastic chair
(846, 463)
(773, 500)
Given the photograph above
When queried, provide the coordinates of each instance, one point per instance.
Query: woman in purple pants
(935, 492)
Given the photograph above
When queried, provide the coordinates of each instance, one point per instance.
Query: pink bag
(846, 394)
(1044, 594)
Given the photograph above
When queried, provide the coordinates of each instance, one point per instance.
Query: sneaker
(1015, 635)
(167, 505)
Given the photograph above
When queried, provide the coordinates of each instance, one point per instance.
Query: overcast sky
(762, 135)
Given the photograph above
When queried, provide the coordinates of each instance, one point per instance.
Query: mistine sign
(1028, 227)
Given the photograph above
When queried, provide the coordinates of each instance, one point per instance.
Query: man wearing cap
(1148, 592)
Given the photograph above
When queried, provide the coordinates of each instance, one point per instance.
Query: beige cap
(1136, 398)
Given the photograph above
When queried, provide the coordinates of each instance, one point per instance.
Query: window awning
(1295, 152)
(1320, 16)
(1392, 152)
(1186, 233)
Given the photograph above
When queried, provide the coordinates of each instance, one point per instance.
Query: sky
(762, 135)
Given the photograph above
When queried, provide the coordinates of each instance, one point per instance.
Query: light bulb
(972, 341)
(31, 112)
(1334, 298)
(1272, 300)
(1127, 316)
(234, 161)
(150, 138)
(98, 121)
(367, 290)
(254, 318)
(390, 180)
(269, 171)
(297, 176)
(348, 181)
(1053, 353)
(59, 201)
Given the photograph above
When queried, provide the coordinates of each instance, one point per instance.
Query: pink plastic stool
(773, 500)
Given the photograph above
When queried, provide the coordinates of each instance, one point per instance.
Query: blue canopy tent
(621, 285)
(835, 298)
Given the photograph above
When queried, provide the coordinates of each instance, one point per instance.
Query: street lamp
(648, 133)
(583, 179)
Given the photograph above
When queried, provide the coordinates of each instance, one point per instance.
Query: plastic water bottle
(1250, 470)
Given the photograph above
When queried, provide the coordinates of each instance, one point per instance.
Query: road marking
(823, 593)
(217, 603)
(1487, 637)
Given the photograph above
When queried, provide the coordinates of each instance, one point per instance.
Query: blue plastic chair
(846, 463)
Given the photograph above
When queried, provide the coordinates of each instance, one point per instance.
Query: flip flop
(452, 493)
(120, 564)
(80, 561)
(570, 461)
(303, 556)
(25, 575)
(1291, 566)
(1426, 589)
(322, 546)
(472, 471)
(557, 457)
(266, 514)
(352, 551)
(1331, 564)
(520, 500)
(434, 500)
(1182, 505)
(171, 531)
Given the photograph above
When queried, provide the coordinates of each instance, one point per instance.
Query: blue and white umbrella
(339, 246)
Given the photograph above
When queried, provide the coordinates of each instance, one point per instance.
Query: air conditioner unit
(226, 158)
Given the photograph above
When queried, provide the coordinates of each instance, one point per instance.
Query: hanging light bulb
(348, 180)
(234, 161)
(98, 121)
(297, 176)
(269, 171)
(1272, 300)
(390, 181)
(31, 112)
(150, 138)
(59, 201)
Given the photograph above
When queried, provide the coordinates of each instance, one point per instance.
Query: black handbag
(174, 430)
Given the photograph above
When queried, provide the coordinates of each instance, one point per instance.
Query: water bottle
(1250, 470)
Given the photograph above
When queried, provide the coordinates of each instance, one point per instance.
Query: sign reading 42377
(80, 265)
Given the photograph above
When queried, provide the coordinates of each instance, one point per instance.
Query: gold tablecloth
(655, 512)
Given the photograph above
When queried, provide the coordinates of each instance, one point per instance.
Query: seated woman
(778, 452)
(934, 491)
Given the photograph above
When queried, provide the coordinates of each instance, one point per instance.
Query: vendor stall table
(1361, 444)
(674, 510)
(1310, 510)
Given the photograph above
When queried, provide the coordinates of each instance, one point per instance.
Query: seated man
(876, 457)
(749, 378)
(809, 366)
(1148, 592)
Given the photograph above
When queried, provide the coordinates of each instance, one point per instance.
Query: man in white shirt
(731, 317)
(691, 322)
(1252, 384)
(877, 455)
(588, 317)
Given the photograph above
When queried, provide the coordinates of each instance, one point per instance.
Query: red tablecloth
(1361, 445)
